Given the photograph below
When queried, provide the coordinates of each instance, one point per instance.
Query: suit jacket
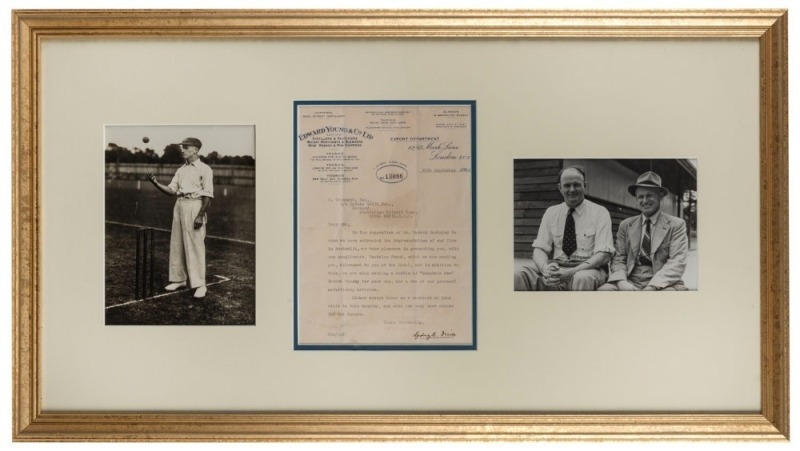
(669, 246)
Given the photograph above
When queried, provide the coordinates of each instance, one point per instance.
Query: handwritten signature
(433, 335)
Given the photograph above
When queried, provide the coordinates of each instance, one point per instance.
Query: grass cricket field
(230, 258)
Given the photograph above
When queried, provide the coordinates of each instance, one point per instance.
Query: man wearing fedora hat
(193, 185)
(573, 245)
(651, 247)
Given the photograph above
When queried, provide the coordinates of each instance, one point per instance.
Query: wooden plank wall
(535, 189)
(617, 212)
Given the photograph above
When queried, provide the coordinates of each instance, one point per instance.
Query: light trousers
(640, 277)
(528, 278)
(187, 249)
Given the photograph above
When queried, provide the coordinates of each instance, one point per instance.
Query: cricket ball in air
(145, 140)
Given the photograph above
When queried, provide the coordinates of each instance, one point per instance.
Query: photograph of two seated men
(605, 225)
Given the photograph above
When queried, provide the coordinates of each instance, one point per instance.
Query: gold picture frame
(31, 423)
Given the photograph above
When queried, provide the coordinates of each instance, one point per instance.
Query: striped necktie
(570, 241)
(644, 255)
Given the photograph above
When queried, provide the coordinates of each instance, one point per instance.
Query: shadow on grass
(228, 303)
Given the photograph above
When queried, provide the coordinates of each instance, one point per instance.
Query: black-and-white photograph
(605, 225)
(180, 225)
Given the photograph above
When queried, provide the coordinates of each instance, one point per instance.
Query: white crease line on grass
(224, 279)
(125, 224)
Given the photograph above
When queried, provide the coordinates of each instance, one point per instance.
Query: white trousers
(187, 249)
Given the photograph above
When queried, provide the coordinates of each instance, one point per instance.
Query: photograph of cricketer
(180, 225)
(605, 225)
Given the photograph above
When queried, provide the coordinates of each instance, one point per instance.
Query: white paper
(384, 224)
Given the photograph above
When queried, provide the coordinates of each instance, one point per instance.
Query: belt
(568, 263)
(644, 262)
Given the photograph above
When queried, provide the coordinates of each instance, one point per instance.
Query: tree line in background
(172, 155)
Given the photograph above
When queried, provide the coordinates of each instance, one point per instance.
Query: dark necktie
(645, 253)
(570, 241)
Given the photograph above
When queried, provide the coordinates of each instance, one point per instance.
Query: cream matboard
(535, 99)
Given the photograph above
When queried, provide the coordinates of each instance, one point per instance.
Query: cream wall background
(692, 351)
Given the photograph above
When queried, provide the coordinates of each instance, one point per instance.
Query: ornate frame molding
(30, 27)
